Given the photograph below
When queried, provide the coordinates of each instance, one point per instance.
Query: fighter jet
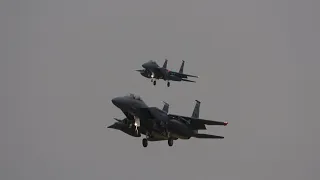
(157, 124)
(155, 72)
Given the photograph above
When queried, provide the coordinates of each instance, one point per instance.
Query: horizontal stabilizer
(189, 75)
(197, 121)
(209, 122)
(187, 80)
(181, 75)
(208, 136)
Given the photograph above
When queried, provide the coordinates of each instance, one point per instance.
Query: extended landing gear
(170, 141)
(168, 84)
(144, 142)
(154, 81)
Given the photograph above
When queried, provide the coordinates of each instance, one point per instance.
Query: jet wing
(124, 128)
(197, 121)
(182, 75)
(208, 136)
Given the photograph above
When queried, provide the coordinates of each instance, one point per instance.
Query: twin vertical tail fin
(165, 107)
(196, 112)
(165, 64)
(181, 67)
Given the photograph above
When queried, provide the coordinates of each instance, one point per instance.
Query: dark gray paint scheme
(154, 71)
(62, 61)
(157, 124)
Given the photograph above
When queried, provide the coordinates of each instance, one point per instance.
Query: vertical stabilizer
(165, 64)
(181, 67)
(196, 110)
(195, 113)
(165, 107)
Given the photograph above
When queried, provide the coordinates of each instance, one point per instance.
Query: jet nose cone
(145, 65)
(113, 100)
(116, 101)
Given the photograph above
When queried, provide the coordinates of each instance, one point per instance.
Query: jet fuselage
(132, 106)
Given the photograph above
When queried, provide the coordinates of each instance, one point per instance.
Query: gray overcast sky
(62, 61)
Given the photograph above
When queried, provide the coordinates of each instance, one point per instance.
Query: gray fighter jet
(155, 72)
(157, 124)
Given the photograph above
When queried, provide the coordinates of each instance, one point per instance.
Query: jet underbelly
(179, 136)
(156, 135)
(178, 129)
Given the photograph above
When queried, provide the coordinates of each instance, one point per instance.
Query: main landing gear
(170, 141)
(144, 142)
(155, 82)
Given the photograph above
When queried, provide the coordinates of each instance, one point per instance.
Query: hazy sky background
(62, 61)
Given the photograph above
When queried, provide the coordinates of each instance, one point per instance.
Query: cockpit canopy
(133, 96)
(152, 61)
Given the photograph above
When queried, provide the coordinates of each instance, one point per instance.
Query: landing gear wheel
(136, 133)
(154, 82)
(168, 84)
(170, 142)
(144, 142)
